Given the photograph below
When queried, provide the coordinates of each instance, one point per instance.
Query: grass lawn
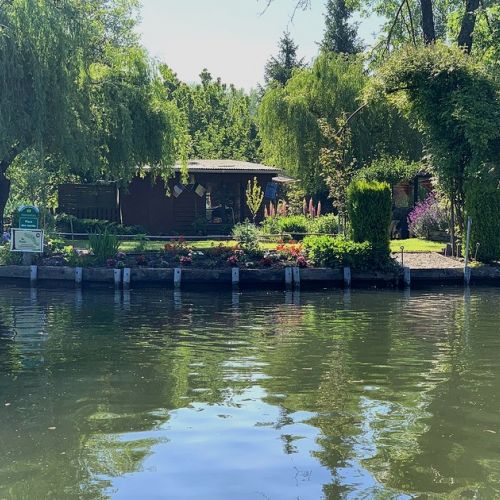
(417, 245)
(411, 245)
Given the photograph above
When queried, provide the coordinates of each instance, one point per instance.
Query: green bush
(294, 225)
(482, 204)
(338, 251)
(103, 246)
(247, 235)
(8, 258)
(68, 223)
(370, 210)
(325, 224)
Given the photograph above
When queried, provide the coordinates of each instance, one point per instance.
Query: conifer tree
(280, 68)
(339, 35)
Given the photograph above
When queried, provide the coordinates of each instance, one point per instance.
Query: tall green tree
(77, 90)
(457, 106)
(340, 35)
(279, 69)
(219, 118)
(292, 120)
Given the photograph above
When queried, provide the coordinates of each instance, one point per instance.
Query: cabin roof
(228, 166)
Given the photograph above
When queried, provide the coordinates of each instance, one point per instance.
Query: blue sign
(271, 190)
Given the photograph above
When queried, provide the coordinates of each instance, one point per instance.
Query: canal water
(256, 395)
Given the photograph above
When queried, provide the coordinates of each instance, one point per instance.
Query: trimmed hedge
(337, 251)
(370, 205)
(482, 204)
(65, 222)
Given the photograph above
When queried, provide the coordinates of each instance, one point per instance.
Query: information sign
(26, 240)
(28, 217)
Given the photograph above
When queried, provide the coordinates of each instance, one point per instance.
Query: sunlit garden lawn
(417, 245)
(410, 245)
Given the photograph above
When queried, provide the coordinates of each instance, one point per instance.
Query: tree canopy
(218, 117)
(332, 88)
(78, 90)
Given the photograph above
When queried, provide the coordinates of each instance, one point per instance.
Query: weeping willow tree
(75, 88)
(291, 119)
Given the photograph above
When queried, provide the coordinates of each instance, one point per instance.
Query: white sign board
(26, 240)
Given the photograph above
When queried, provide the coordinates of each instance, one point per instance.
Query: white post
(467, 271)
(177, 276)
(235, 276)
(117, 277)
(33, 273)
(347, 277)
(288, 277)
(296, 277)
(406, 276)
(126, 277)
(78, 275)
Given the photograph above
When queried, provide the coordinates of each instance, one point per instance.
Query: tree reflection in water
(372, 393)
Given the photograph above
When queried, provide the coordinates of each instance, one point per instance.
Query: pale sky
(231, 38)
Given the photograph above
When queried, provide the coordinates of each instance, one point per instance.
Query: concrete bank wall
(280, 278)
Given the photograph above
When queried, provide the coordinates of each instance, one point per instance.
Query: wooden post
(296, 277)
(126, 277)
(177, 276)
(288, 277)
(235, 276)
(33, 274)
(467, 270)
(347, 277)
(117, 274)
(406, 276)
(78, 275)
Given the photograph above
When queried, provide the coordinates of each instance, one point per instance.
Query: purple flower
(427, 216)
(5, 237)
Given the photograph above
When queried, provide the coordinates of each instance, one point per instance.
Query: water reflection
(250, 395)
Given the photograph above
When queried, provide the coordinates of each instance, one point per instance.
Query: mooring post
(235, 276)
(347, 277)
(33, 274)
(406, 276)
(296, 277)
(467, 271)
(177, 276)
(288, 277)
(126, 277)
(78, 275)
(117, 275)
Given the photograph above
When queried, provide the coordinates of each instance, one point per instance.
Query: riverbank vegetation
(81, 100)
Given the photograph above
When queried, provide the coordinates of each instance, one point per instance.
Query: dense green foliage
(247, 235)
(483, 206)
(456, 104)
(79, 94)
(391, 170)
(103, 246)
(298, 225)
(338, 251)
(290, 128)
(218, 117)
(370, 206)
(294, 225)
(65, 223)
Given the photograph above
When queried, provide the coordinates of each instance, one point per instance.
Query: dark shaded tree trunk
(428, 21)
(468, 24)
(4, 196)
(5, 182)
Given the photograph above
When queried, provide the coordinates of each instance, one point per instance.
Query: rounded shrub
(325, 224)
(482, 204)
(370, 205)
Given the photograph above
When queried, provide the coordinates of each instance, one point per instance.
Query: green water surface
(252, 395)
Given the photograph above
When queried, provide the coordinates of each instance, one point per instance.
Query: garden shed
(211, 199)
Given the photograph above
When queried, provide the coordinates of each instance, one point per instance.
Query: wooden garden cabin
(213, 198)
